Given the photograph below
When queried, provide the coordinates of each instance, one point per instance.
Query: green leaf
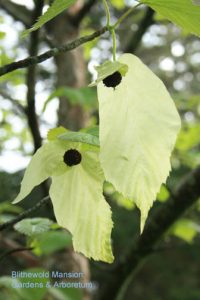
(93, 130)
(33, 226)
(138, 128)
(55, 132)
(181, 12)
(185, 229)
(50, 242)
(80, 207)
(66, 294)
(80, 137)
(33, 293)
(5, 281)
(87, 135)
(56, 8)
(17, 288)
(84, 96)
(8, 207)
(107, 69)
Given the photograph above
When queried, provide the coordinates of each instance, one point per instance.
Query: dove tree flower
(138, 128)
(72, 161)
(139, 124)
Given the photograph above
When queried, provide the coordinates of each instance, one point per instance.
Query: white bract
(139, 124)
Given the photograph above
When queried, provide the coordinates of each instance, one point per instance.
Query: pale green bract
(108, 68)
(80, 137)
(56, 8)
(181, 12)
(76, 193)
(138, 129)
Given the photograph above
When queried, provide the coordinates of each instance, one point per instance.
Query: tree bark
(71, 68)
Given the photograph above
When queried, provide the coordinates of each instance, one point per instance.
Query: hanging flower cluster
(138, 128)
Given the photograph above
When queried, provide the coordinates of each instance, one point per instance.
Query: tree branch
(24, 214)
(143, 26)
(184, 197)
(31, 81)
(18, 12)
(5, 242)
(13, 251)
(76, 20)
(29, 61)
(15, 102)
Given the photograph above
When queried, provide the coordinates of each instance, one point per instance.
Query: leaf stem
(32, 60)
(114, 43)
(107, 13)
(112, 28)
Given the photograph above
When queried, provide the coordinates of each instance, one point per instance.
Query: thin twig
(125, 15)
(144, 24)
(24, 214)
(15, 102)
(13, 251)
(32, 60)
(10, 244)
(17, 11)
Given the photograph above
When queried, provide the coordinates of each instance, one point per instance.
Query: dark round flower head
(72, 157)
(113, 80)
